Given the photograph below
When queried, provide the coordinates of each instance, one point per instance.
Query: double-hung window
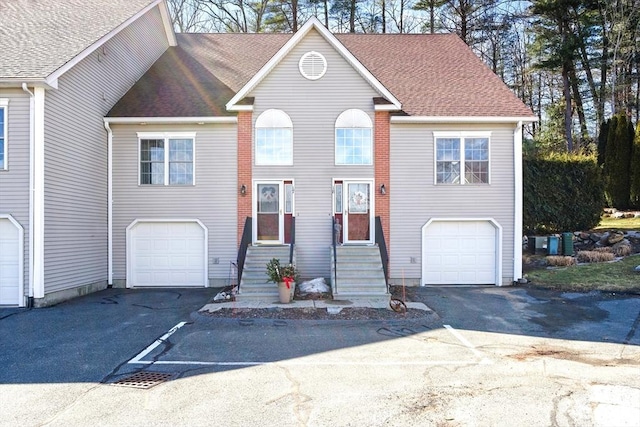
(166, 158)
(4, 103)
(274, 139)
(462, 157)
(353, 138)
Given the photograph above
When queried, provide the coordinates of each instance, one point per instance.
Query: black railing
(335, 230)
(382, 245)
(293, 239)
(245, 241)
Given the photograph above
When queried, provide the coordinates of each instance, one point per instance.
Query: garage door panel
(9, 263)
(167, 254)
(460, 252)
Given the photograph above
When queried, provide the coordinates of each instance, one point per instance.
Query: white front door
(358, 212)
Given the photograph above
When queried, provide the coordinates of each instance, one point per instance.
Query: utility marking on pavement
(466, 343)
(153, 345)
(310, 363)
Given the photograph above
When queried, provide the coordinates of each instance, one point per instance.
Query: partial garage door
(459, 253)
(9, 262)
(166, 254)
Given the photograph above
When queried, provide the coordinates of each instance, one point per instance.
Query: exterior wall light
(243, 190)
(383, 189)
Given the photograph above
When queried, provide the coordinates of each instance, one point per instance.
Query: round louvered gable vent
(312, 65)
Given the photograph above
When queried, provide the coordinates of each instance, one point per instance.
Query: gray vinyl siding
(313, 115)
(212, 200)
(76, 152)
(14, 182)
(415, 198)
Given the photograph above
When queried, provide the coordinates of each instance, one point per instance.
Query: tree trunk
(352, 16)
(584, 132)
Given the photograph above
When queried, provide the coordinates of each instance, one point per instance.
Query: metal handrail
(293, 239)
(382, 245)
(334, 238)
(245, 241)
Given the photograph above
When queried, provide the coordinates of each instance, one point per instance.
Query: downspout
(517, 223)
(38, 192)
(109, 203)
(31, 192)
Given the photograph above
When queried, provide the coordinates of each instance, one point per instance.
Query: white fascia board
(240, 108)
(386, 107)
(313, 22)
(169, 120)
(52, 79)
(462, 119)
(16, 82)
(166, 21)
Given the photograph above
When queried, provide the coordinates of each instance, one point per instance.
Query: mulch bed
(347, 313)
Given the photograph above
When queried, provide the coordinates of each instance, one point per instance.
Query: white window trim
(462, 135)
(352, 118)
(166, 136)
(272, 119)
(4, 104)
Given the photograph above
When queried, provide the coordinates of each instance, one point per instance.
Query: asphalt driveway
(485, 356)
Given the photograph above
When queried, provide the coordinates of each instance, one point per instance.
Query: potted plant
(284, 277)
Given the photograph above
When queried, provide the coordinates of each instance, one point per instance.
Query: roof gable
(41, 40)
(313, 23)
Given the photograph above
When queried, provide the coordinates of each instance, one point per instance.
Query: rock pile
(620, 243)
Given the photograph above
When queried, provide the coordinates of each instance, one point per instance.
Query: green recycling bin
(567, 243)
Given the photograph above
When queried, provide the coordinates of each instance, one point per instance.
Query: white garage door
(459, 253)
(9, 263)
(167, 254)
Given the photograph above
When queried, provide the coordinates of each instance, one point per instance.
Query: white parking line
(484, 360)
(466, 343)
(156, 343)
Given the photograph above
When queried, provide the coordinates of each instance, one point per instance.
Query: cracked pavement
(506, 357)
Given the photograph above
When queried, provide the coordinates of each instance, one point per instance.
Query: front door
(273, 212)
(357, 212)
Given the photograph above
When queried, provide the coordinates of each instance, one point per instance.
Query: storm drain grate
(144, 379)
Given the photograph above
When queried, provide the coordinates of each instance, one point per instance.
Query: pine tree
(634, 172)
(602, 141)
(617, 162)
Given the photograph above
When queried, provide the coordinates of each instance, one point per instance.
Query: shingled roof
(39, 37)
(431, 75)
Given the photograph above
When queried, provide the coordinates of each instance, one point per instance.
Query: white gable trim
(462, 119)
(52, 79)
(313, 22)
(169, 120)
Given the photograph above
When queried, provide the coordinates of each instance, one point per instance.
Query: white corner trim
(31, 182)
(4, 104)
(52, 79)
(496, 225)
(38, 193)
(313, 22)
(109, 204)
(461, 119)
(139, 220)
(518, 202)
(20, 257)
(166, 21)
(168, 120)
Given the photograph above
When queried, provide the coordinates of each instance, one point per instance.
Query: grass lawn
(616, 276)
(609, 223)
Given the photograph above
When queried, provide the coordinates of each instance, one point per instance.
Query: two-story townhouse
(64, 65)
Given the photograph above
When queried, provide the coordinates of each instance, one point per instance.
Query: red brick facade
(381, 162)
(245, 128)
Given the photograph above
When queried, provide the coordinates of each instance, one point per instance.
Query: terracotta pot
(284, 293)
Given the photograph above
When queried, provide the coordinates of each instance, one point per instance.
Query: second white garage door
(460, 252)
(10, 266)
(166, 254)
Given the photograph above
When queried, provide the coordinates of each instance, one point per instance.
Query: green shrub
(617, 161)
(635, 170)
(562, 192)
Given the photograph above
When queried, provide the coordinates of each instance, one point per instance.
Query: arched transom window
(274, 138)
(353, 138)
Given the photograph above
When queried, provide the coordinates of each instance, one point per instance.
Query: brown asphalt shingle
(431, 75)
